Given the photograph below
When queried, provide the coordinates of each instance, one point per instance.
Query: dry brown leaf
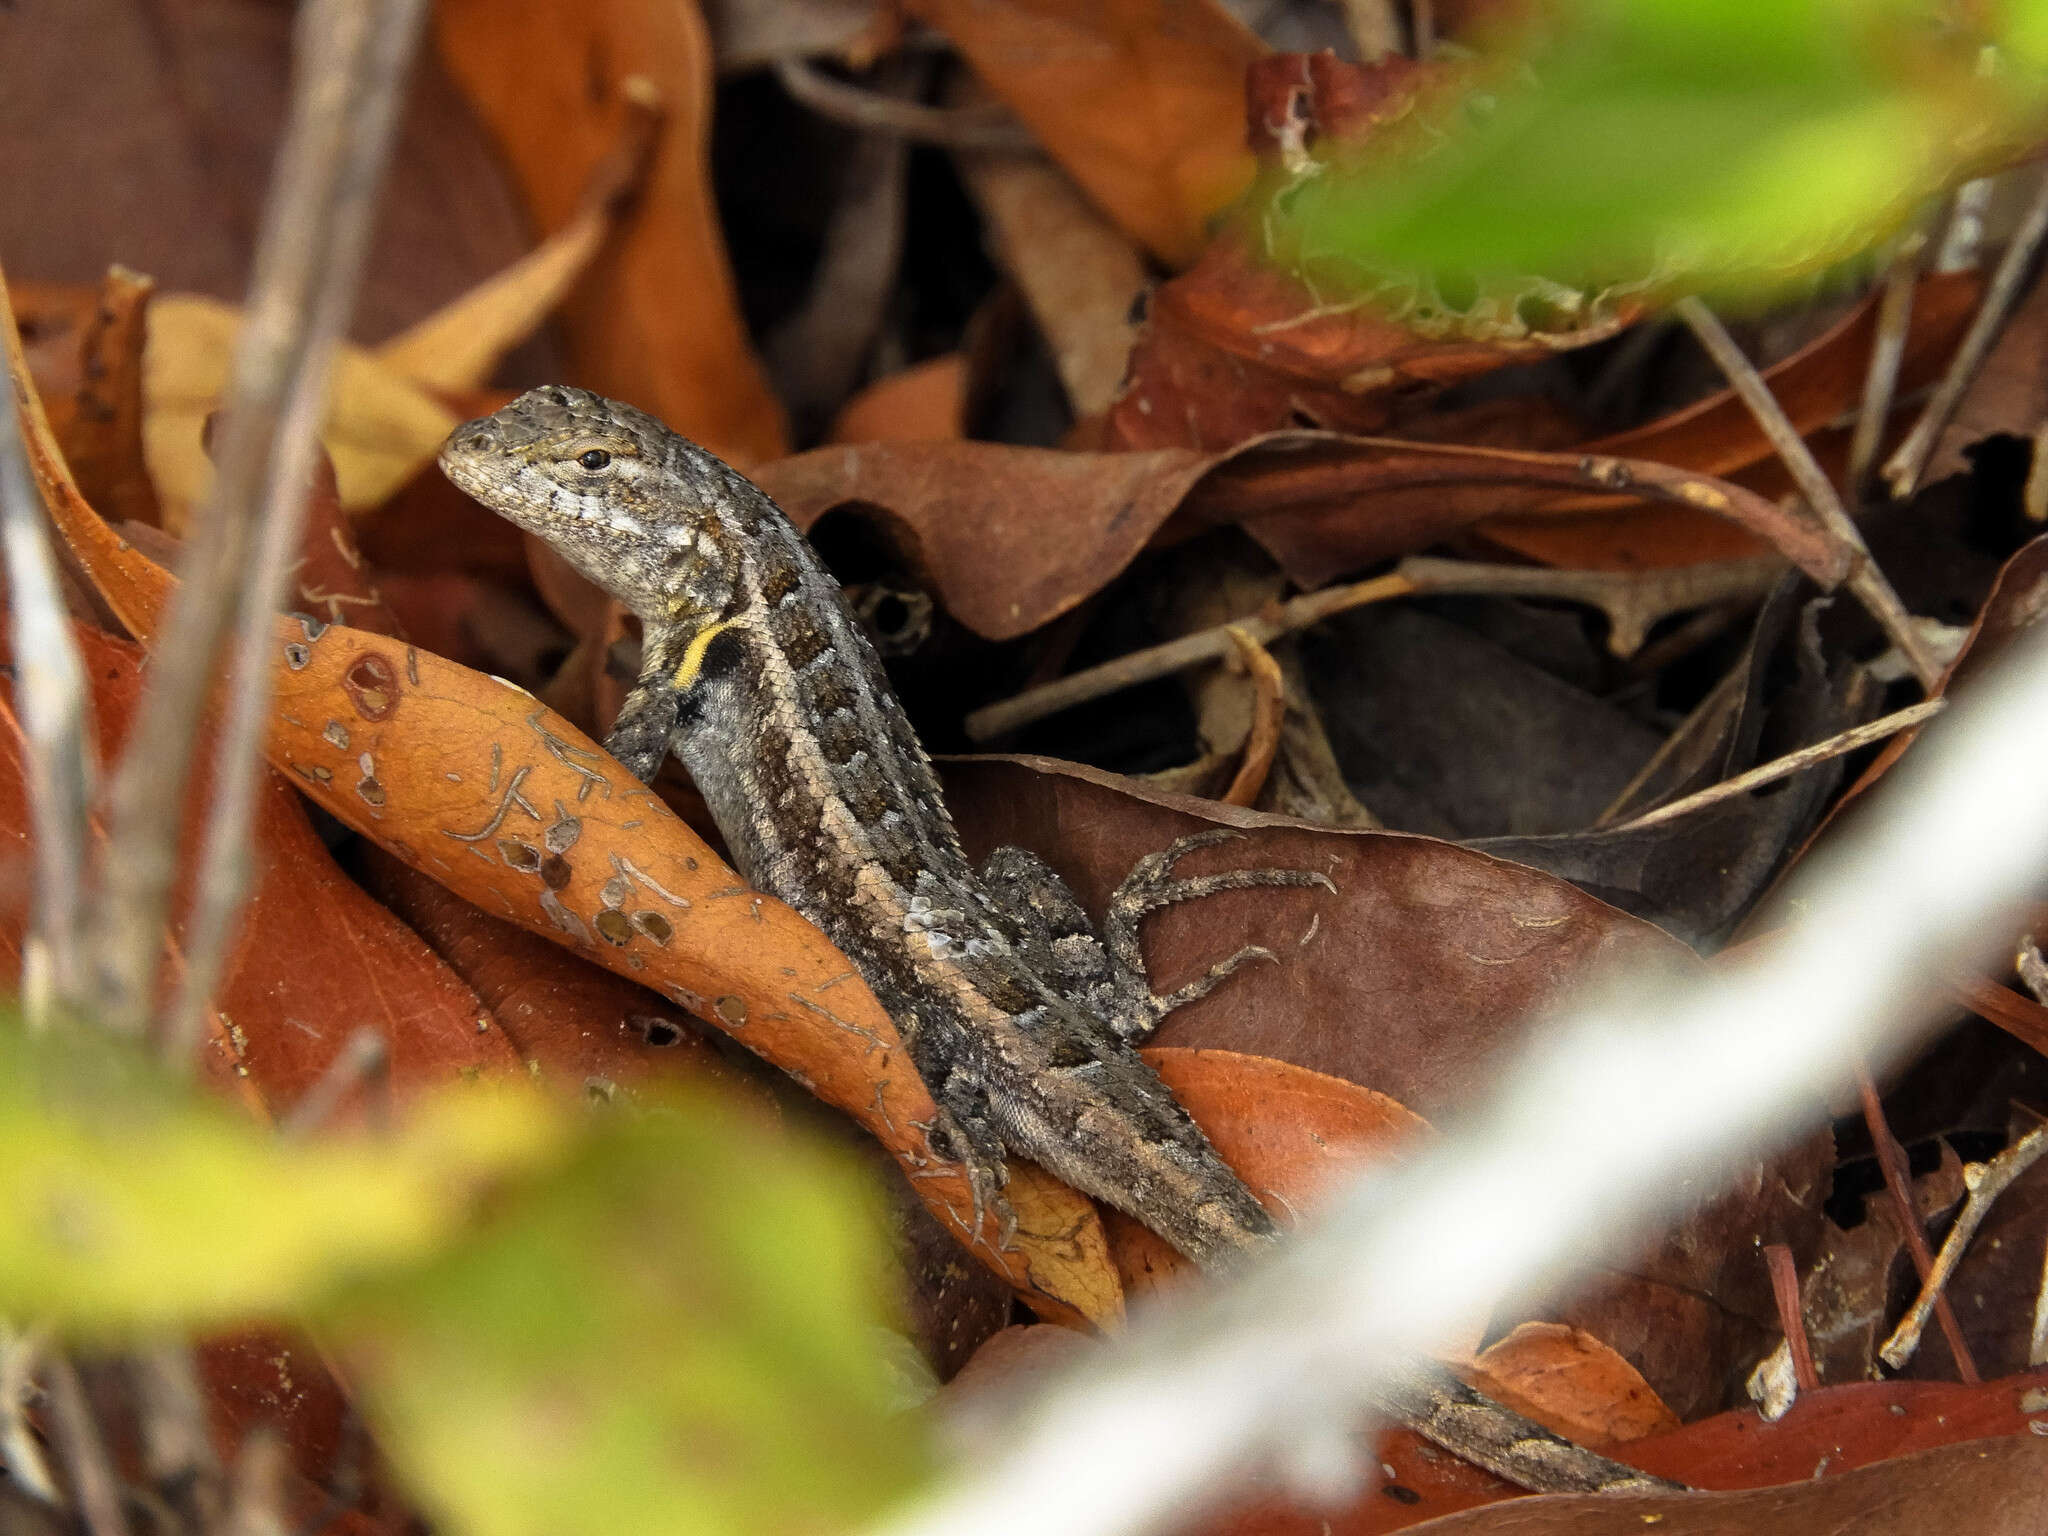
(520, 813)
(1568, 1381)
(1078, 273)
(657, 323)
(1010, 538)
(1140, 101)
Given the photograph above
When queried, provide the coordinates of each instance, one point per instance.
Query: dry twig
(1865, 580)
(353, 60)
(1887, 352)
(49, 691)
(1985, 1182)
(1632, 602)
(1791, 763)
(1891, 1161)
(1902, 471)
(1269, 707)
(873, 112)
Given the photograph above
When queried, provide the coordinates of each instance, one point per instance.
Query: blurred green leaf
(128, 1201)
(675, 1332)
(1675, 144)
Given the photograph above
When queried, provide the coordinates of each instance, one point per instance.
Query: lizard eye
(594, 459)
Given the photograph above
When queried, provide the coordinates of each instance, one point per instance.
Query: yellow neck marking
(693, 653)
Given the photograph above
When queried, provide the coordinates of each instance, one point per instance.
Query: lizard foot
(1151, 885)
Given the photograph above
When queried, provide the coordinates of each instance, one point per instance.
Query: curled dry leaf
(514, 809)
(658, 323)
(88, 361)
(1011, 538)
(1140, 101)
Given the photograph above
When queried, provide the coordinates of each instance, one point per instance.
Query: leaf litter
(1071, 395)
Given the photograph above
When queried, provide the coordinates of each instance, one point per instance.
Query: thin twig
(1891, 1162)
(1269, 707)
(947, 127)
(1632, 601)
(256, 1499)
(49, 689)
(21, 1450)
(177, 1449)
(354, 58)
(1902, 471)
(1962, 240)
(89, 1469)
(1887, 353)
(363, 1059)
(1985, 1182)
(1792, 762)
(1865, 580)
(1785, 1290)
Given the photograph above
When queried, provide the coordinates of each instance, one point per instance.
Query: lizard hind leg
(965, 1133)
(1151, 885)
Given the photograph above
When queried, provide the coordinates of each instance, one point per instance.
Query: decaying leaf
(1140, 101)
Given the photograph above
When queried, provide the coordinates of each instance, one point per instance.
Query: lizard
(1022, 1018)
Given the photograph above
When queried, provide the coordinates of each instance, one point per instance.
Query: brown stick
(1865, 580)
(1986, 1182)
(1269, 708)
(1785, 1291)
(1891, 1161)
(1902, 471)
(1791, 763)
(1632, 603)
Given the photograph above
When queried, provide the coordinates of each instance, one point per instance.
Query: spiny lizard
(1022, 1020)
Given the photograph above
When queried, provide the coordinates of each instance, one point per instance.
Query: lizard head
(623, 498)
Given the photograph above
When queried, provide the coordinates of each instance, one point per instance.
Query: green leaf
(130, 1202)
(676, 1331)
(1731, 144)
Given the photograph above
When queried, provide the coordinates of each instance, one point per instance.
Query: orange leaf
(658, 322)
(1140, 101)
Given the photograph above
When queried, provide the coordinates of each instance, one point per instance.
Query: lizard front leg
(646, 724)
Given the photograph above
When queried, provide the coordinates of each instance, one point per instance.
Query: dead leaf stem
(94, 1486)
(1887, 354)
(355, 59)
(49, 691)
(1791, 763)
(1864, 579)
(1269, 709)
(1785, 1291)
(1986, 1182)
(1891, 1162)
(1632, 602)
(1902, 471)
(872, 112)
